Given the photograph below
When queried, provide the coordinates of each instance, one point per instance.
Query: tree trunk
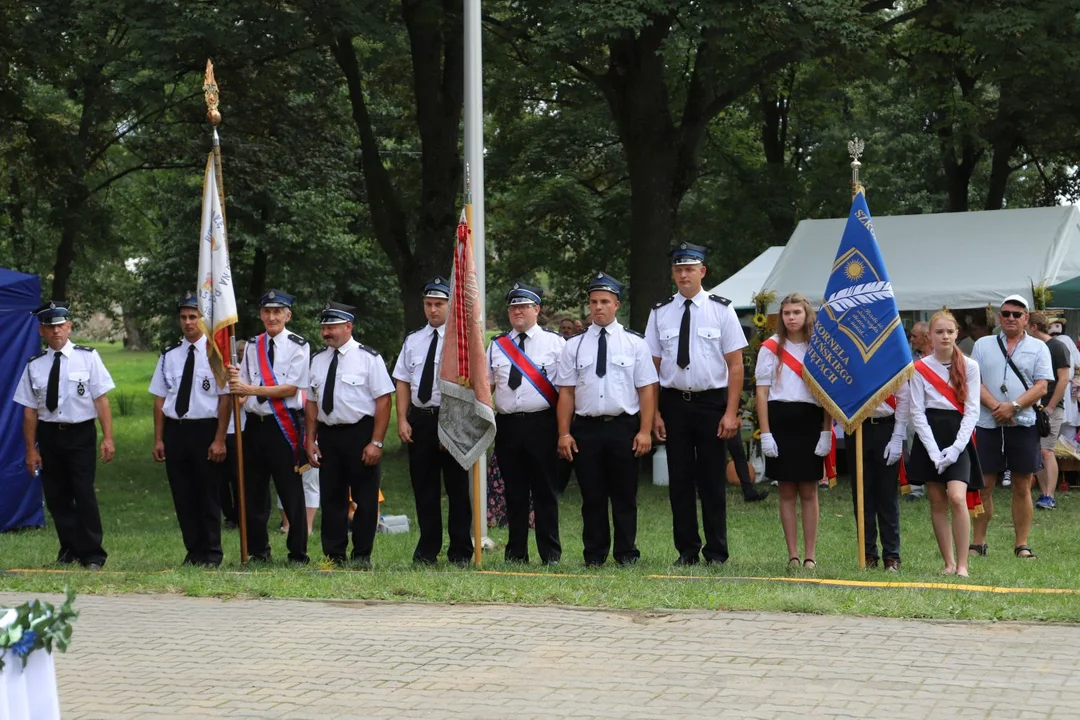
(436, 43)
(65, 251)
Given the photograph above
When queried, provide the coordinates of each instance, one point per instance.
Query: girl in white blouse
(944, 408)
(796, 433)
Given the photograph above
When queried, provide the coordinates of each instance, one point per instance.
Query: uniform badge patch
(206, 384)
(81, 389)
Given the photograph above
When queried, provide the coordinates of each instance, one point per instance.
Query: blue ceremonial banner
(858, 352)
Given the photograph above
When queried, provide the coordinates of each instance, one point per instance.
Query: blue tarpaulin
(20, 492)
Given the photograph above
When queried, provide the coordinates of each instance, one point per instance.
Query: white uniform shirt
(169, 372)
(903, 407)
(787, 387)
(1031, 357)
(291, 360)
(410, 363)
(360, 379)
(83, 378)
(925, 397)
(543, 347)
(714, 332)
(629, 367)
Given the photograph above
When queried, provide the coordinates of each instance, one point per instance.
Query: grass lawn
(145, 549)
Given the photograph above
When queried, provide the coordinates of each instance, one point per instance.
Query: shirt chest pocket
(669, 337)
(709, 341)
(417, 358)
(205, 383)
(621, 368)
(584, 367)
(500, 367)
(354, 384)
(78, 381)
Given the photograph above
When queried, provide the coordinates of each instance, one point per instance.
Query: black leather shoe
(686, 561)
(424, 561)
(257, 559)
(627, 561)
(94, 566)
(361, 562)
(755, 495)
(229, 525)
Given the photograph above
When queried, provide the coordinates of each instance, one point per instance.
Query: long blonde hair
(957, 371)
(794, 298)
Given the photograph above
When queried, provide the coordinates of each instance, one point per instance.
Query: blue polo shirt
(1031, 357)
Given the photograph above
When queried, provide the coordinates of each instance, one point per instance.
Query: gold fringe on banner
(850, 424)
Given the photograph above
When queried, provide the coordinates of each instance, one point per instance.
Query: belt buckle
(687, 395)
(609, 418)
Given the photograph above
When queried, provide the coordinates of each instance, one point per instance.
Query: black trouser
(229, 493)
(342, 470)
(267, 454)
(427, 462)
(564, 468)
(695, 459)
(527, 445)
(68, 465)
(195, 483)
(742, 467)
(881, 502)
(607, 472)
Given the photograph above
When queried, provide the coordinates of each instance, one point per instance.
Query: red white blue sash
(528, 369)
(289, 422)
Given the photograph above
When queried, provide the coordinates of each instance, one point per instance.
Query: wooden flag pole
(213, 116)
(855, 149)
(860, 520)
(478, 514)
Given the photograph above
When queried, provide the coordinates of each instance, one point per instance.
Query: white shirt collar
(199, 344)
(594, 329)
(349, 345)
(698, 299)
(69, 347)
(441, 330)
(530, 333)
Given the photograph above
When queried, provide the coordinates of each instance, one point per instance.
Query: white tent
(740, 287)
(956, 260)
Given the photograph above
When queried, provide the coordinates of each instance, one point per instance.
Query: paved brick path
(168, 656)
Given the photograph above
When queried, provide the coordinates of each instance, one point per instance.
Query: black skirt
(945, 424)
(796, 428)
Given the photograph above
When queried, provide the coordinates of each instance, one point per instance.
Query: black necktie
(601, 354)
(183, 398)
(515, 375)
(269, 354)
(683, 358)
(427, 377)
(328, 386)
(52, 394)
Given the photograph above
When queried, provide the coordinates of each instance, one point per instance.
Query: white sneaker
(1007, 480)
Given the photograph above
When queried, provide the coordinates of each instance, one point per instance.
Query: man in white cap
(347, 412)
(1015, 369)
(63, 390)
(416, 376)
(696, 343)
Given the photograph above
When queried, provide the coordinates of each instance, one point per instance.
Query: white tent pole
(474, 159)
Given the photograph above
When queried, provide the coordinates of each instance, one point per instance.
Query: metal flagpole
(474, 160)
(855, 149)
(213, 116)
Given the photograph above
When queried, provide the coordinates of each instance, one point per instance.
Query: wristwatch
(1016, 408)
(377, 443)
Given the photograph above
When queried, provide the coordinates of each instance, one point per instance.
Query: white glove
(824, 444)
(948, 457)
(768, 446)
(894, 450)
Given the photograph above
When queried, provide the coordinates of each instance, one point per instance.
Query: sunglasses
(1015, 314)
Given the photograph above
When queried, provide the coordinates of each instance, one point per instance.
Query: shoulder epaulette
(662, 303)
(297, 339)
(634, 332)
(170, 347)
(84, 348)
(43, 353)
(373, 351)
(579, 332)
(719, 299)
(413, 332)
(253, 339)
(324, 348)
(553, 332)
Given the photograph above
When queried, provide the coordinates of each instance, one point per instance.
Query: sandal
(980, 550)
(794, 562)
(809, 563)
(1024, 553)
